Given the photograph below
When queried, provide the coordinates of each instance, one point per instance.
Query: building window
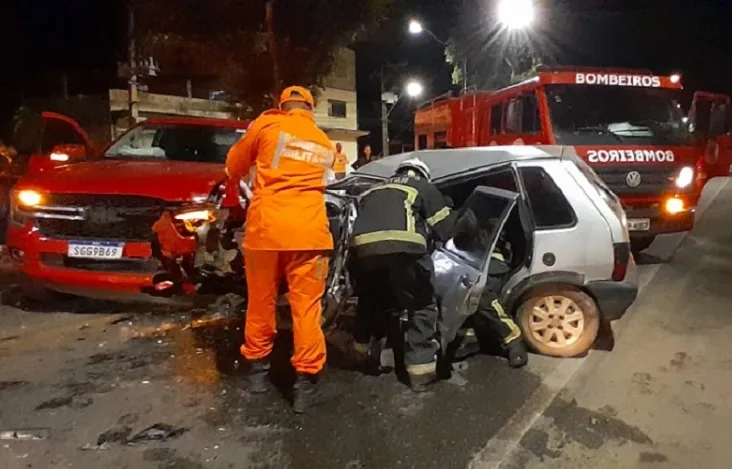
(337, 108)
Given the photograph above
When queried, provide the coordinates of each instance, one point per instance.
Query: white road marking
(498, 448)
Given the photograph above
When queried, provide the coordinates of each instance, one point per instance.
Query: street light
(516, 14)
(414, 89)
(415, 27)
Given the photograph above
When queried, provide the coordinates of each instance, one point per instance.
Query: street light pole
(132, 94)
(416, 27)
(384, 117)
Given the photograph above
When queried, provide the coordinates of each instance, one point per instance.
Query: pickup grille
(652, 180)
(106, 217)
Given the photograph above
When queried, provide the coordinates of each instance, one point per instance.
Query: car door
(462, 263)
(62, 141)
(710, 118)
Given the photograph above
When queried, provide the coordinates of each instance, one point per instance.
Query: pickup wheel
(641, 244)
(561, 322)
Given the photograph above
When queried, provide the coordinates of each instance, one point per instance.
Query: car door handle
(465, 281)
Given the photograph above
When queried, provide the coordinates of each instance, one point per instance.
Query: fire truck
(627, 124)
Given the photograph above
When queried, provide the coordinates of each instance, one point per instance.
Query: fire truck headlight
(685, 177)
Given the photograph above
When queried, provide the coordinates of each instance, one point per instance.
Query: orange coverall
(287, 232)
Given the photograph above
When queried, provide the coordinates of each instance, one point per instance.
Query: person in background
(340, 166)
(287, 235)
(363, 159)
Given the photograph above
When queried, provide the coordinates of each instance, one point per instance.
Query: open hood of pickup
(172, 181)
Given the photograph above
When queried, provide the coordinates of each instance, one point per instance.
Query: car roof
(449, 162)
(199, 121)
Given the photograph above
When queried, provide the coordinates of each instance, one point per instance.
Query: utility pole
(384, 117)
(272, 47)
(132, 59)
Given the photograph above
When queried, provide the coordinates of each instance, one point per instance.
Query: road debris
(157, 432)
(25, 434)
(114, 435)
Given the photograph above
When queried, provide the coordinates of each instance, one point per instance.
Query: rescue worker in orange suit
(391, 264)
(341, 162)
(287, 236)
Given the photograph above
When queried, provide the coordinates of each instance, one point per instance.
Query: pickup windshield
(175, 142)
(616, 115)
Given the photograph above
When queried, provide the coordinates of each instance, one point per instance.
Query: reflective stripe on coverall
(287, 233)
(490, 314)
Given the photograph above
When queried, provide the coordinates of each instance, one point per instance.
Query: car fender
(513, 297)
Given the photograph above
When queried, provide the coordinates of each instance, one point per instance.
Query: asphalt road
(104, 373)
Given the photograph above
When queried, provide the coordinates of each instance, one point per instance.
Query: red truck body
(86, 228)
(627, 124)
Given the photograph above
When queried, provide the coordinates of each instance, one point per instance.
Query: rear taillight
(621, 258)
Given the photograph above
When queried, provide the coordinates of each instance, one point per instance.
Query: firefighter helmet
(416, 165)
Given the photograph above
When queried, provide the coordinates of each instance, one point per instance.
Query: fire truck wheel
(561, 321)
(641, 244)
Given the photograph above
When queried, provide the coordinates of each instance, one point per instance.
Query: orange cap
(297, 93)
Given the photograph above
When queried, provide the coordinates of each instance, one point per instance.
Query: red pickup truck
(82, 224)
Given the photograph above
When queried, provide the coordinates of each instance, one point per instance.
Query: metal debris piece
(157, 432)
(55, 403)
(25, 434)
(88, 447)
(114, 435)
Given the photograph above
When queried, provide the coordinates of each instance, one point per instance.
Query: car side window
(59, 132)
(549, 208)
(502, 178)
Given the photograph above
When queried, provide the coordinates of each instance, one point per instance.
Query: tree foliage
(493, 57)
(230, 41)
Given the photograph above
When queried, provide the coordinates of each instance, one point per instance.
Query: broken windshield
(176, 142)
(616, 115)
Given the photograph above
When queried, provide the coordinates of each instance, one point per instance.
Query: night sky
(693, 37)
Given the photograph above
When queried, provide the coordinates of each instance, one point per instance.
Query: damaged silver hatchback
(562, 232)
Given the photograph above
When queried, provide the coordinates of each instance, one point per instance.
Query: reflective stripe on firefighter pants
(305, 272)
(493, 317)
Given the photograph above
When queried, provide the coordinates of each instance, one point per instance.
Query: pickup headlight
(195, 218)
(685, 177)
(29, 198)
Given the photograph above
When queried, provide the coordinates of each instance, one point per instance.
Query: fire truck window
(58, 132)
(513, 116)
(549, 207)
(496, 118)
(421, 142)
(441, 139)
(702, 116)
(530, 121)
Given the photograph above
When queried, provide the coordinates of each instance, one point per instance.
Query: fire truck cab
(627, 124)
(710, 121)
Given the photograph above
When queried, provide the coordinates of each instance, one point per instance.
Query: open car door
(52, 141)
(710, 119)
(462, 263)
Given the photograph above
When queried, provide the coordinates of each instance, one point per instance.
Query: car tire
(559, 322)
(641, 244)
(34, 293)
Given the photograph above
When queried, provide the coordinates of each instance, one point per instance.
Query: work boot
(422, 383)
(306, 393)
(258, 377)
(518, 357)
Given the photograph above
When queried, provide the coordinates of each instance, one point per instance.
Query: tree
(494, 58)
(252, 48)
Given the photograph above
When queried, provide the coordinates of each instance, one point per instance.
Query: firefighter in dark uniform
(392, 268)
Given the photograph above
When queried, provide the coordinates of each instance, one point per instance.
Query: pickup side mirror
(67, 153)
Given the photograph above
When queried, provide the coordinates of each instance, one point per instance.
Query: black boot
(306, 393)
(517, 354)
(258, 377)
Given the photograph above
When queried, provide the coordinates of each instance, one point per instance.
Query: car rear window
(549, 207)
